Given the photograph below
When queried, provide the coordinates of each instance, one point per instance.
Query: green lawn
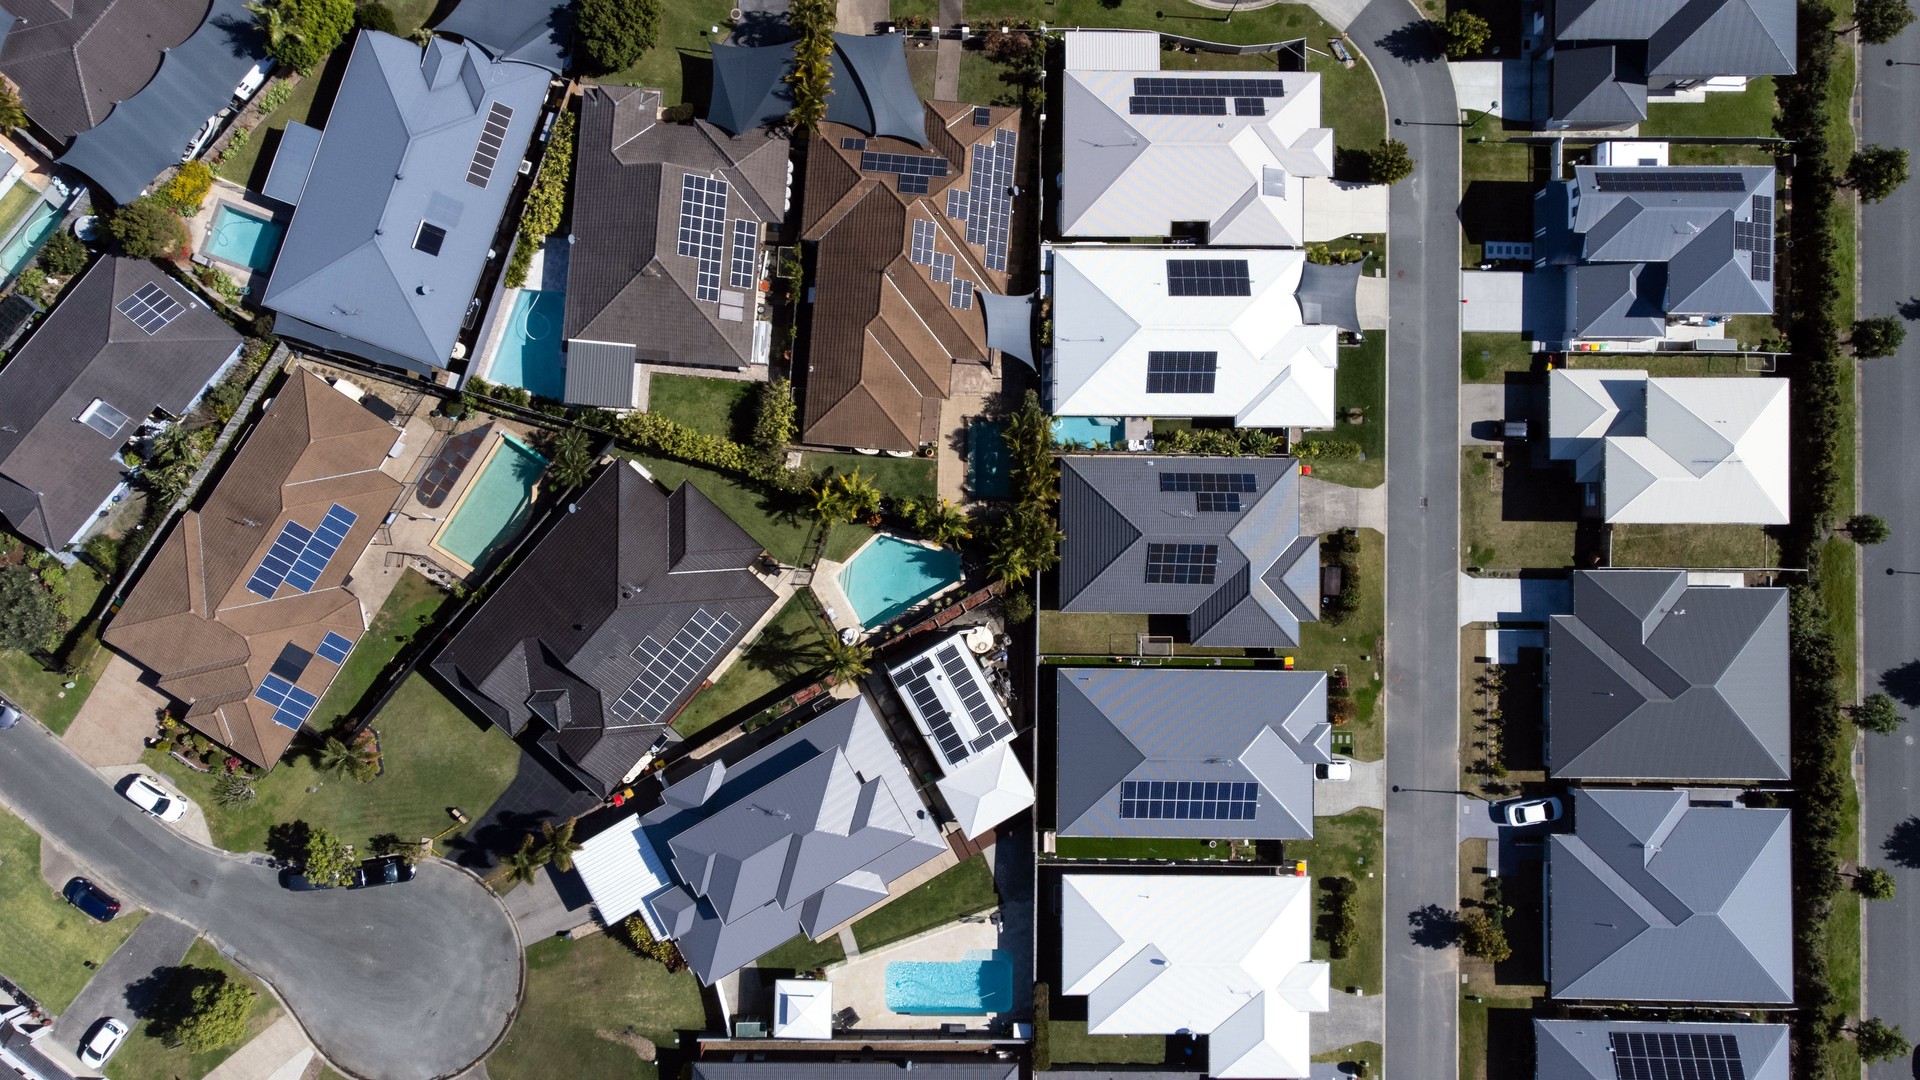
(48, 943)
(1361, 1051)
(1100, 634)
(1749, 112)
(1360, 383)
(249, 166)
(1355, 647)
(683, 47)
(435, 757)
(1496, 159)
(1488, 494)
(722, 407)
(143, 1057)
(783, 526)
(1729, 547)
(1487, 358)
(846, 538)
(783, 652)
(409, 609)
(897, 478)
(1102, 847)
(410, 15)
(580, 996)
(1073, 1046)
(42, 692)
(1348, 846)
(962, 890)
(1839, 589)
(799, 954)
(15, 204)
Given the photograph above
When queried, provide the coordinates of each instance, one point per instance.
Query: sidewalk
(281, 1052)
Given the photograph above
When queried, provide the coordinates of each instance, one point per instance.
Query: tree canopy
(1466, 34)
(216, 1014)
(1880, 21)
(1390, 162)
(1874, 883)
(615, 33)
(1868, 529)
(148, 228)
(1877, 171)
(1879, 713)
(300, 33)
(326, 859)
(28, 613)
(1879, 336)
(1880, 1041)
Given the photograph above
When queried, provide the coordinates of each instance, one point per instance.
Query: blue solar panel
(335, 648)
(273, 690)
(299, 555)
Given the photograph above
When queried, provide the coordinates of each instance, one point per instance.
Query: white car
(102, 1041)
(1533, 811)
(1337, 769)
(153, 800)
(255, 78)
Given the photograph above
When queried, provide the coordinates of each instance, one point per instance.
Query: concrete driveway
(112, 727)
(405, 982)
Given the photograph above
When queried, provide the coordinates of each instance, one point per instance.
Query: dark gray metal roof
(395, 155)
(524, 30)
(287, 178)
(1651, 679)
(55, 471)
(600, 373)
(1583, 1049)
(1121, 724)
(631, 563)
(1595, 87)
(1688, 38)
(1653, 899)
(871, 89)
(1009, 324)
(1329, 295)
(1267, 581)
(797, 838)
(145, 133)
(863, 1070)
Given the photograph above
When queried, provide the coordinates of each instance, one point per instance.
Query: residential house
(524, 30)
(246, 612)
(397, 204)
(1607, 57)
(1220, 156)
(633, 297)
(609, 624)
(1610, 1049)
(799, 837)
(1654, 897)
(126, 351)
(1198, 753)
(1227, 956)
(1247, 334)
(1651, 678)
(1631, 250)
(968, 731)
(25, 1038)
(1672, 451)
(1216, 540)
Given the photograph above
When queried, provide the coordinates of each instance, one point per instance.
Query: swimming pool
(890, 577)
(40, 223)
(529, 352)
(1104, 430)
(495, 505)
(987, 459)
(950, 988)
(242, 238)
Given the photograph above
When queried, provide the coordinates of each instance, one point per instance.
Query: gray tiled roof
(799, 837)
(1688, 38)
(1204, 726)
(1651, 679)
(54, 471)
(395, 154)
(1653, 899)
(1583, 1049)
(73, 59)
(1268, 578)
(523, 30)
(631, 563)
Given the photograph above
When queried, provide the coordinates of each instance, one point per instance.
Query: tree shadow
(164, 998)
(1902, 845)
(287, 841)
(783, 651)
(1910, 308)
(1413, 43)
(1903, 683)
(1434, 927)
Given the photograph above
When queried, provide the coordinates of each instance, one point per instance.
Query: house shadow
(1497, 210)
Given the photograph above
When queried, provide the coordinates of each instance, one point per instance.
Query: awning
(1009, 324)
(870, 91)
(1328, 295)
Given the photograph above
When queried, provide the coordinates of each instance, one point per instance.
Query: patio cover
(802, 1009)
(1327, 294)
(1009, 324)
(621, 870)
(871, 89)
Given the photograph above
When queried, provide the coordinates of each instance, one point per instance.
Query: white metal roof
(622, 871)
(1112, 308)
(987, 790)
(1224, 956)
(1113, 50)
(802, 1009)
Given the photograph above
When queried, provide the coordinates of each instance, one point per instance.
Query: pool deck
(833, 598)
(468, 477)
(228, 192)
(975, 390)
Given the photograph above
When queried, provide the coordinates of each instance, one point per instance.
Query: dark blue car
(91, 899)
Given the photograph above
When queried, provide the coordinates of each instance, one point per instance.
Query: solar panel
(1177, 106)
(1667, 180)
(973, 697)
(942, 268)
(1208, 277)
(1162, 86)
(1207, 481)
(103, 417)
(1249, 106)
(922, 251)
(291, 705)
(913, 185)
(960, 294)
(1675, 1055)
(919, 686)
(703, 219)
(1763, 210)
(1189, 800)
(334, 648)
(1181, 372)
(299, 555)
(1216, 502)
(982, 117)
(990, 196)
(1182, 564)
(486, 153)
(1762, 266)
(903, 164)
(667, 670)
(292, 662)
(150, 308)
(957, 201)
(850, 142)
(746, 245)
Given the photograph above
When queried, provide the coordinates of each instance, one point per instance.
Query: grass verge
(1348, 846)
(962, 890)
(1354, 647)
(49, 948)
(582, 997)
(1360, 383)
(787, 648)
(144, 1057)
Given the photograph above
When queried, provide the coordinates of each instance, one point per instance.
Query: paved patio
(860, 984)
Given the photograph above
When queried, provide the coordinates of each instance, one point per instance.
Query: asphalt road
(402, 982)
(1890, 487)
(1423, 536)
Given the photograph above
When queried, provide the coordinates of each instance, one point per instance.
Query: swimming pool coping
(833, 598)
(244, 210)
(473, 475)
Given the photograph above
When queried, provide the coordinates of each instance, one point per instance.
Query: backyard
(723, 407)
(1073, 1046)
(683, 49)
(1516, 516)
(409, 609)
(1353, 646)
(1747, 112)
(308, 105)
(584, 1000)
(50, 949)
(966, 889)
(786, 649)
(1725, 547)
(43, 692)
(899, 479)
(144, 1057)
(1360, 383)
(1348, 846)
(782, 524)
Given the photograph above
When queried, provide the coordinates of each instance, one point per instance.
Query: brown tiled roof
(884, 338)
(73, 59)
(191, 619)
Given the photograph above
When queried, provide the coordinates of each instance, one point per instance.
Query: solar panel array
(960, 294)
(1249, 106)
(150, 308)
(942, 268)
(1208, 277)
(291, 705)
(850, 142)
(922, 251)
(1189, 800)
(744, 274)
(1209, 87)
(1177, 106)
(1181, 372)
(1208, 481)
(990, 194)
(1756, 236)
(1632, 181)
(1182, 564)
(1217, 502)
(917, 168)
(667, 670)
(493, 136)
(918, 685)
(973, 697)
(334, 648)
(104, 417)
(957, 200)
(299, 555)
(703, 220)
(1675, 1055)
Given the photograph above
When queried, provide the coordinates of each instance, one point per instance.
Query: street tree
(1390, 162)
(1876, 171)
(1880, 1041)
(326, 860)
(1878, 713)
(1878, 336)
(216, 1014)
(1879, 21)
(1480, 937)
(1466, 35)
(1868, 529)
(1873, 883)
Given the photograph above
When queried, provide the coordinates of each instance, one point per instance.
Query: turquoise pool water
(1086, 429)
(529, 353)
(33, 232)
(890, 577)
(243, 238)
(496, 506)
(987, 459)
(950, 988)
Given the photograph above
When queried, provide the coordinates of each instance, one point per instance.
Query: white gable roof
(1225, 956)
(1112, 309)
(987, 790)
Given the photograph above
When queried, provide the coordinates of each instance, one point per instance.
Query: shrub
(102, 552)
(547, 199)
(188, 188)
(1328, 450)
(773, 423)
(272, 98)
(29, 614)
(300, 33)
(637, 937)
(12, 113)
(1008, 46)
(216, 1013)
(1874, 883)
(64, 255)
(237, 142)
(233, 789)
(614, 33)
(148, 228)
(520, 262)
(658, 435)
(376, 16)
(32, 283)
(1480, 937)
(218, 282)
(1017, 607)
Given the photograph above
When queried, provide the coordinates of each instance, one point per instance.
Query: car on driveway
(153, 800)
(91, 899)
(382, 870)
(1337, 769)
(103, 1038)
(1531, 812)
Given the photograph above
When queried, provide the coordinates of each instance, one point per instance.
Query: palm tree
(523, 864)
(557, 845)
(859, 498)
(829, 505)
(947, 523)
(846, 660)
(272, 19)
(572, 458)
(335, 756)
(1008, 559)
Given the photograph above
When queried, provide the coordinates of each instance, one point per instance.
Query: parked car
(91, 899)
(103, 1038)
(1532, 811)
(294, 879)
(381, 870)
(9, 715)
(1337, 769)
(153, 800)
(200, 140)
(255, 78)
